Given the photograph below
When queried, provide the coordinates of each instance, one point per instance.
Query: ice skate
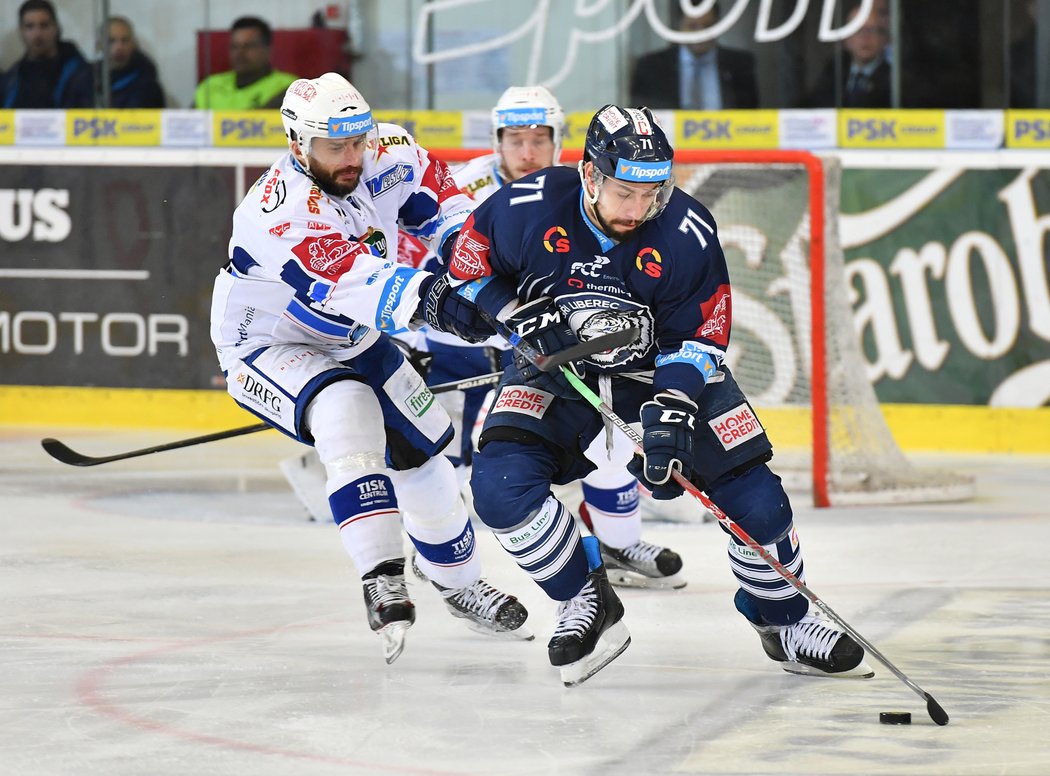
(643, 565)
(640, 565)
(813, 646)
(390, 612)
(590, 632)
(485, 609)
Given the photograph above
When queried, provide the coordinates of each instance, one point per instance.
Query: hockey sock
(548, 547)
(776, 601)
(436, 521)
(369, 521)
(614, 513)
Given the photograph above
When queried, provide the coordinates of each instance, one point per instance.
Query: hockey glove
(541, 325)
(668, 424)
(445, 310)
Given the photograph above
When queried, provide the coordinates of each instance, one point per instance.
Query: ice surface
(178, 614)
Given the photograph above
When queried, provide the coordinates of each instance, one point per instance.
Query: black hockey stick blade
(937, 714)
(62, 452)
(470, 382)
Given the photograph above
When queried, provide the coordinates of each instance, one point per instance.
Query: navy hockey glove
(668, 424)
(445, 310)
(541, 325)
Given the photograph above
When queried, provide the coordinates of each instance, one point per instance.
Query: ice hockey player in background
(527, 128)
(636, 252)
(300, 317)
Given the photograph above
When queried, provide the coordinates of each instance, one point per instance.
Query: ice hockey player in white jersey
(300, 320)
(527, 128)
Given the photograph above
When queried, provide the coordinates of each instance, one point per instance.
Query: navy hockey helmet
(627, 144)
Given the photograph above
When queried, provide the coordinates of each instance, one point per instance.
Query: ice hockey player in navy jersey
(300, 319)
(562, 256)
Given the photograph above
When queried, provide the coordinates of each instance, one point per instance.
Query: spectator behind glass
(252, 82)
(1022, 64)
(864, 77)
(132, 74)
(52, 73)
(695, 76)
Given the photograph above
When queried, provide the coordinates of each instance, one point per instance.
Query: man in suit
(695, 76)
(864, 79)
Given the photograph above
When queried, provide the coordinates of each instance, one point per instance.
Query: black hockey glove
(541, 325)
(668, 424)
(419, 359)
(445, 310)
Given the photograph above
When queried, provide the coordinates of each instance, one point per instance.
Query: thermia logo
(37, 213)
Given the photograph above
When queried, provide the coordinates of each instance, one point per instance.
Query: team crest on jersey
(591, 315)
(375, 240)
(556, 240)
(470, 256)
(716, 312)
(649, 261)
(388, 179)
(329, 254)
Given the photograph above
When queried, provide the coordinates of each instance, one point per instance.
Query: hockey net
(794, 350)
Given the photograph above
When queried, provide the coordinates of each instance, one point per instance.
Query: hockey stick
(62, 452)
(936, 712)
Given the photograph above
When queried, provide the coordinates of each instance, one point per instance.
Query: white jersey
(307, 267)
(479, 179)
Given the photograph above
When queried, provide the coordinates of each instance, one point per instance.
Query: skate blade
(861, 671)
(521, 633)
(393, 638)
(624, 578)
(611, 645)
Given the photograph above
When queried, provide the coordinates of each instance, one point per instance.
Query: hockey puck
(895, 717)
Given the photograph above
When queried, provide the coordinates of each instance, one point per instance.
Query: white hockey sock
(436, 521)
(615, 515)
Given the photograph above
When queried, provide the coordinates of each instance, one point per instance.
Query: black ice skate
(643, 565)
(640, 565)
(485, 609)
(590, 632)
(813, 646)
(390, 612)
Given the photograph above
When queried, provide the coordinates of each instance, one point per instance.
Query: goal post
(794, 350)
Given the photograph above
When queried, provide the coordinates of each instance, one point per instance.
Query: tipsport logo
(518, 117)
(350, 127)
(645, 172)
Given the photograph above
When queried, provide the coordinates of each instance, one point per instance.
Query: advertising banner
(106, 274)
(947, 272)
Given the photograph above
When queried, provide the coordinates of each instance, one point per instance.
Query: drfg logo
(871, 129)
(242, 129)
(95, 128)
(1039, 129)
(258, 393)
(707, 129)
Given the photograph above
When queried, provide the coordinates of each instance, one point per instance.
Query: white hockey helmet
(529, 106)
(326, 106)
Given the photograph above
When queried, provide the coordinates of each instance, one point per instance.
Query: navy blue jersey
(669, 278)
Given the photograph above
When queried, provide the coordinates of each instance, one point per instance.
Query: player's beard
(331, 182)
(617, 232)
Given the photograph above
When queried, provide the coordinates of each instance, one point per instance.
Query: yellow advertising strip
(1027, 129)
(247, 129)
(916, 427)
(891, 129)
(7, 127)
(120, 408)
(430, 128)
(727, 129)
(576, 124)
(113, 127)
